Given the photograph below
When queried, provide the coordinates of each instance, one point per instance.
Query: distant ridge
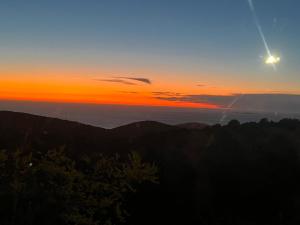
(142, 128)
(26, 119)
(27, 131)
(192, 125)
(33, 132)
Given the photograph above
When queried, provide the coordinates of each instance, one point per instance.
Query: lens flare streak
(272, 60)
(229, 107)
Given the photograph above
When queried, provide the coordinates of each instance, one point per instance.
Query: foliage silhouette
(233, 174)
(51, 188)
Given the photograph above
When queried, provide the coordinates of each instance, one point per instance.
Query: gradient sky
(133, 52)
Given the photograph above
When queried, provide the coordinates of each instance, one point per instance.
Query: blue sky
(212, 31)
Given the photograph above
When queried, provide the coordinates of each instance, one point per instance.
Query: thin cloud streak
(116, 81)
(166, 94)
(139, 79)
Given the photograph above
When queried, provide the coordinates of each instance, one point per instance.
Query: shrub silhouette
(52, 189)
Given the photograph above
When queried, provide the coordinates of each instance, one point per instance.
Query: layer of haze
(110, 116)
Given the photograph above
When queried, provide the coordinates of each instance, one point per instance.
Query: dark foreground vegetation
(235, 174)
(50, 188)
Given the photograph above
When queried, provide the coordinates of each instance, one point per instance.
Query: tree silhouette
(52, 189)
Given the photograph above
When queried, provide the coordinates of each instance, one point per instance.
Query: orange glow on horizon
(76, 87)
(174, 104)
(78, 90)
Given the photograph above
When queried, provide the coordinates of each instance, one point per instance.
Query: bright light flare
(272, 60)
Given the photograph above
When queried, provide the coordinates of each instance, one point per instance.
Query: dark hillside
(26, 131)
(192, 125)
(142, 128)
(234, 174)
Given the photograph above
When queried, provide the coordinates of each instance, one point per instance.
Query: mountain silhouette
(234, 174)
(142, 128)
(192, 125)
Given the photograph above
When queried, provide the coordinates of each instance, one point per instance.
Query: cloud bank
(287, 103)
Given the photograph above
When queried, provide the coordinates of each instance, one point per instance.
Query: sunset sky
(200, 53)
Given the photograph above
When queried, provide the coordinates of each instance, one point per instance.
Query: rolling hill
(234, 174)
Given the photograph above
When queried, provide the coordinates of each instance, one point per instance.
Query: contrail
(260, 30)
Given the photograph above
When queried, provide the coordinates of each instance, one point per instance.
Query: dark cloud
(201, 85)
(246, 102)
(117, 81)
(139, 79)
(212, 99)
(126, 80)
